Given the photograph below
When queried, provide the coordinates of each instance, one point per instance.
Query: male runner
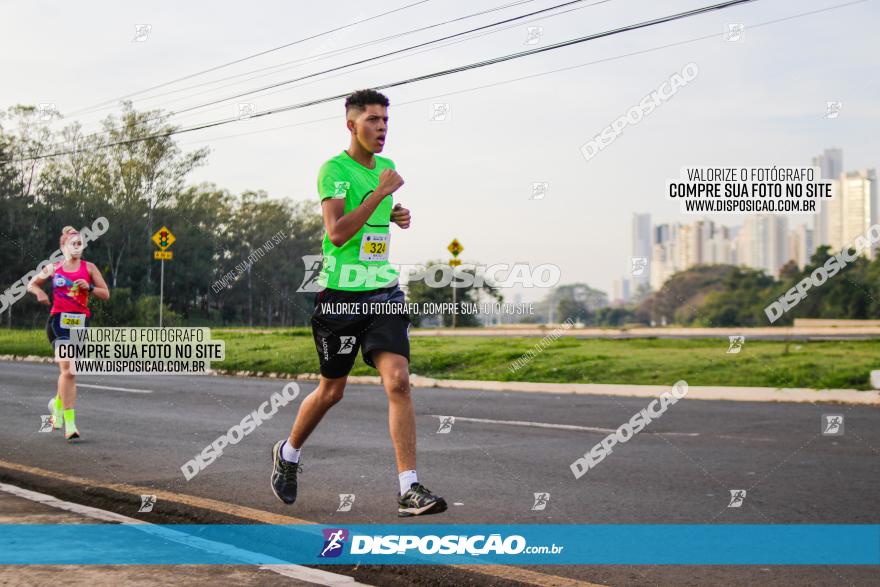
(355, 188)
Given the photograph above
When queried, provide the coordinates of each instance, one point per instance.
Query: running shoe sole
(422, 511)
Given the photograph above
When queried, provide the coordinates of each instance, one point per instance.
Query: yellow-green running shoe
(57, 413)
(70, 431)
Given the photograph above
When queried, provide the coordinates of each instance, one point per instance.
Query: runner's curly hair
(361, 98)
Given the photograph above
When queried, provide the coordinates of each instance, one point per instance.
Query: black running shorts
(344, 321)
(57, 329)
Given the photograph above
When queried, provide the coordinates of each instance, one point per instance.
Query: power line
(374, 58)
(253, 56)
(540, 74)
(336, 52)
(424, 50)
(316, 57)
(367, 60)
(520, 54)
(475, 88)
(345, 66)
(467, 67)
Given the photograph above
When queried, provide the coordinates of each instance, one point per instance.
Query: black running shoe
(283, 475)
(419, 501)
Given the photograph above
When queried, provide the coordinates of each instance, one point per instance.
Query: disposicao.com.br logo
(396, 544)
(334, 541)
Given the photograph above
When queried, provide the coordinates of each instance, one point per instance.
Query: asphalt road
(679, 470)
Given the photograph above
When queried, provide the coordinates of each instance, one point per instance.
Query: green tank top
(361, 263)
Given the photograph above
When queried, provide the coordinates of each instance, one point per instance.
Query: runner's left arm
(100, 291)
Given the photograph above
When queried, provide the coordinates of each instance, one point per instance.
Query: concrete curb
(26, 358)
(737, 394)
(866, 331)
(741, 394)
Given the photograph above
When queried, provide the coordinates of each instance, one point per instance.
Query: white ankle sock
(290, 454)
(407, 478)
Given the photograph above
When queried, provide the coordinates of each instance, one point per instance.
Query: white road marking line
(67, 506)
(557, 426)
(493, 571)
(128, 389)
(302, 573)
(312, 575)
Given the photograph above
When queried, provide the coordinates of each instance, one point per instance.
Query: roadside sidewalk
(739, 394)
(708, 392)
(21, 506)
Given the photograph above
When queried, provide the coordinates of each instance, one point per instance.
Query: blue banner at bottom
(521, 544)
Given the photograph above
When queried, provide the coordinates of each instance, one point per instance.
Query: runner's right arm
(35, 286)
(340, 226)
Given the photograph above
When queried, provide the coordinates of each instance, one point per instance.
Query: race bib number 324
(374, 247)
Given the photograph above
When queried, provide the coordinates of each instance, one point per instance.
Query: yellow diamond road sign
(163, 238)
(455, 247)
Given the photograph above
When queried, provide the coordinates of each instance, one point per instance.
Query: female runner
(72, 281)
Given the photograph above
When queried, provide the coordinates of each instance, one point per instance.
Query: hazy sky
(757, 102)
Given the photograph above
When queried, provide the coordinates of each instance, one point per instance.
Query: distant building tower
(641, 247)
(664, 254)
(620, 293)
(800, 245)
(763, 242)
(719, 249)
(859, 210)
(830, 164)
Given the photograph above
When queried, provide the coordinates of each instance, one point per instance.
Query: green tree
(134, 174)
(420, 292)
(741, 302)
(576, 301)
(680, 298)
